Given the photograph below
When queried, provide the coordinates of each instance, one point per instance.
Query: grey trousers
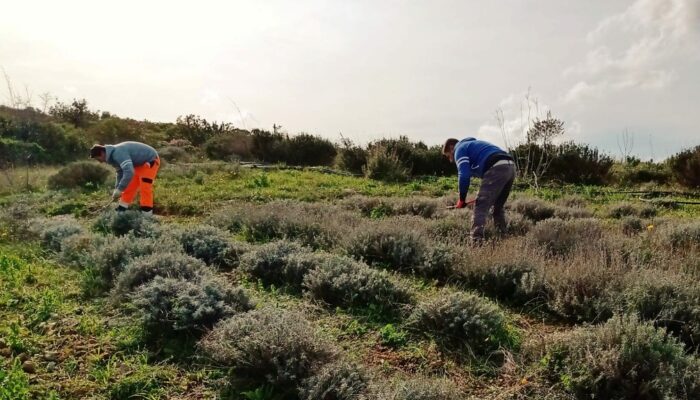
(494, 191)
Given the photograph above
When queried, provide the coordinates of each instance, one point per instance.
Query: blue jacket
(124, 156)
(470, 156)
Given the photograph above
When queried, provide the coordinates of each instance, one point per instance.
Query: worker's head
(448, 149)
(98, 152)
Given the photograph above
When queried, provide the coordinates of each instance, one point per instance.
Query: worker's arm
(126, 169)
(463, 176)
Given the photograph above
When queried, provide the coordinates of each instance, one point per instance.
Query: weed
(392, 336)
(14, 383)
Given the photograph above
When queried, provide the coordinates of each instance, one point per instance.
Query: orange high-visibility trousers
(142, 182)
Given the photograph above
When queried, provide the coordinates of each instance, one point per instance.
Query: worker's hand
(460, 204)
(116, 194)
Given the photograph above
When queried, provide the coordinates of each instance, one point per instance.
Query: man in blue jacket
(496, 169)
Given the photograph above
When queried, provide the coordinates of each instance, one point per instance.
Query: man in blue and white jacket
(496, 169)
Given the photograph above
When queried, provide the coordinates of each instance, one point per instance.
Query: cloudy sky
(375, 68)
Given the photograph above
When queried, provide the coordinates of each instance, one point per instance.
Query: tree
(77, 113)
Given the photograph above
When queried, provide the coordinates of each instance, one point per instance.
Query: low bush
(438, 263)
(671, 301)
(685, 167)
(336, 381)
(465, 321)
(278, 263)
(80, 174)
(76, 250)
(174, 154)
(571, 212)
(229, 146)
(516, 282)
(377, 207)
(622, 359)
(268, 347)
(533, 209)
(683, 235)
(558, 237)
(175, 306)
(56, 231)
(211, 245)
(109, 260)
(636, 172)
(389, 244)
(622, 210)
(632, 225)
(341, 281)
(16, 220)
(426, 389)
(144, 269)
(351, 158)
(385, 165)
(127, 222)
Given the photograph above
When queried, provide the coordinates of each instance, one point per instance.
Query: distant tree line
(66, 131)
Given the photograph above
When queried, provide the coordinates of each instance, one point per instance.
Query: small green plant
(261, 181)
(262, 393)
(392, 336)
(48, 303)
(15, 338)
(14, 383)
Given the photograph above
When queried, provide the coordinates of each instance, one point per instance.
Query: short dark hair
(449, 143)
(97, 150)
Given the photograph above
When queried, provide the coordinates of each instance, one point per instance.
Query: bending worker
(496, 169)
(137, 165)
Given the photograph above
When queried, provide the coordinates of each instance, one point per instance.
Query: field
(305, 284)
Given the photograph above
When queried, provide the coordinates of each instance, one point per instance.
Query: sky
(371, 69)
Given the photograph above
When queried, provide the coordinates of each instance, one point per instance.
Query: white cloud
(637, 49)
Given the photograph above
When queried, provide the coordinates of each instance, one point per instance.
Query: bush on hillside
(685, 167)
(174, 154)
(350, 157)
(55, 232)
(58, 143)
(668, 300)
(683, 235)
(230, 146)
(637, 173)
(533, 209)
(76, 250)
(15, 153)
(571, 212)
(211, 245)
(268, 347)
(388, 244)
(464, 321)
(622, 210)
(632, 225)
(558, 237)
(567, 162)
(109, 260)
(377, 207)
(186, 306)
(132, 222)
(336, 381)
(275, 263)
(341, 281)
(17, 220)
(385, 165)
(310, 150)
(144, 269)
(515, 282)
(621, 359)
(80, 174)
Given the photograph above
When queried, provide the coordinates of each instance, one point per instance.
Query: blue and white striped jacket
(470, 156)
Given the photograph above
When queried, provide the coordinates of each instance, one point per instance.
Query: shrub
(647, 211)
(175, 305)
(636, 173)
(16, 220)
(174, 154)
(464, 320)
(144, 269)
(426, 389)
(684, 235)
(438, 262)
(351, 158)
(341, 281)
(669, 300)
(571, 212)
(55, 232)
(127, 222)
(76, 250)
(268, 347)
(533, 209)
(622, 359)
(376, 207)
(388, 244)
(685, 167)
(109, 260)
(272, 263)
(516, 282)
(622, 210)
(336, 381)
(80, 174)
(574, 201)
(230, 146)
(632, 225)
(305, 149)
(385, 165)
(211, 245)
(558, 237)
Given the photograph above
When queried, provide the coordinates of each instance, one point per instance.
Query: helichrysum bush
(79, 174)
(187, 306)
(571, 212)
(377, 207)
(632, 225)
(144, 269)
(276, 263)
(682, 235)
(621, 359)
(388, 244)
(622, 210)
(465, 321)
(533, 209)
(559, 237)
(268, 347)
(127, 222)
(425, 389)
(516, 282)
(76, 250)
(342, 281)
(209, 244)
(669, 300)
(56, 231)
(336, 381)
